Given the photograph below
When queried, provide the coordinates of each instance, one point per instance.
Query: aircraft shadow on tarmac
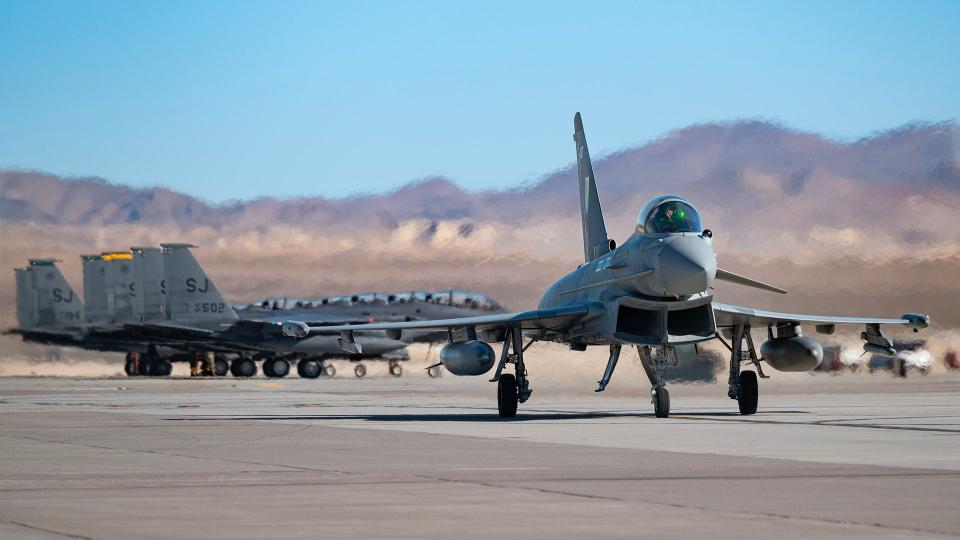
(474, 417)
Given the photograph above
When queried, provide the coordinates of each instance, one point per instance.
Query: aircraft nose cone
(687, 265)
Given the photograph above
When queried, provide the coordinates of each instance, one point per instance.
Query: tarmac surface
(826, 457)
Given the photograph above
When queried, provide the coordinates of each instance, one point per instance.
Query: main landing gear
(743, 385)
(655, 365)
(512, 389)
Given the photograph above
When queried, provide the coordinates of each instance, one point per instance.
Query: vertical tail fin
(148, 277)
(26, 315)
(95, 289)
(595, 241)
(191, 294)
(121, 287)
(53, 300)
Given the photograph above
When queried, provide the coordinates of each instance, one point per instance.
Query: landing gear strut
(743, 386)
(655, 365)
(512, 389)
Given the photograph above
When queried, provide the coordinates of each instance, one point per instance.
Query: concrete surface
(861, 457)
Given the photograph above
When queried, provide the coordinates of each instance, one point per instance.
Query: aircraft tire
(309, 369)
(507, 396)
(245, 367)
(661, 402)
(281, 368)
(749, 392)
(268, 367)
(221, 367)
(145, 368)
(360, 371)
(329, 371)
(130, 365)
(161, 368)
(396, 370)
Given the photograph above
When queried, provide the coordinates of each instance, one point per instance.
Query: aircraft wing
(730, 315)
(167, 330)
(553, 319)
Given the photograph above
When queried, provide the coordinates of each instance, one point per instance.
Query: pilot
(665, 220)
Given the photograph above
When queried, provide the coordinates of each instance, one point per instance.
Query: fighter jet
(653, 292)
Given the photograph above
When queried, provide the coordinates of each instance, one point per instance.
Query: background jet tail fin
(120, 286)
(52, 301)
(26, 315)
(595, 241)
(94, 289)
(148, 277)
(190, 293)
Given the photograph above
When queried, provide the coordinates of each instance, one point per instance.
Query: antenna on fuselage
(595, 241)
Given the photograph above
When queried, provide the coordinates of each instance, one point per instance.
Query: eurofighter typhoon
(653, 292)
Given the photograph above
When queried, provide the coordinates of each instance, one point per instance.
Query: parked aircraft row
(158, 306)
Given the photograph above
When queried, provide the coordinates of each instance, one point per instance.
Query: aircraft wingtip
(577, 122)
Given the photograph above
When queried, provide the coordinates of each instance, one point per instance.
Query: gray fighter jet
(653, 292)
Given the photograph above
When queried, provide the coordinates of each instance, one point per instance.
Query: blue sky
(239, 99)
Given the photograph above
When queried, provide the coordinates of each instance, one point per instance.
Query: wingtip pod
(917, 320)
(295, 329)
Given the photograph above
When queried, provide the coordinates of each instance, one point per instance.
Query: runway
(853, 457)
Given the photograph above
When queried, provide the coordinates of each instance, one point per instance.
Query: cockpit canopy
(668, 214)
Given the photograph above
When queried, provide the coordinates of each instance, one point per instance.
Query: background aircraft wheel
(360, 371)
(396, 370)
(161, 368)
(221, 367)
(434, 372)
(130, 365)
(245, 367)
(144, 368)
(748, 392)
(268, 367)
(281, 368)
(507, 396)
(661, 402)
(309, 369)
(330, 371)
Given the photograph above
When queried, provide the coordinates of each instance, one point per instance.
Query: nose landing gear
(655, 366)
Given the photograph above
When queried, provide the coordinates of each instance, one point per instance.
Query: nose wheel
(395, 368)
(661, 402)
